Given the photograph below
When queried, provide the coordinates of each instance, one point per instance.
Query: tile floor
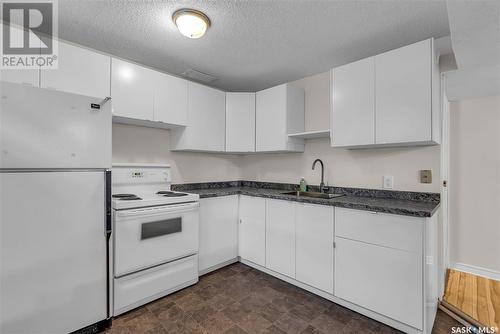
(238, 299)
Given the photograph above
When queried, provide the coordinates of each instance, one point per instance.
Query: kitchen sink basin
(312, 194)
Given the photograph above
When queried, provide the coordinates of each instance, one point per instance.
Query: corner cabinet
(206, 125)
(252, 230)
(218, 232)
(279, 112)
(391, 99)
(240, 122)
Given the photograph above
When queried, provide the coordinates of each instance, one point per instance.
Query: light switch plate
(388, 182)
(426, 176)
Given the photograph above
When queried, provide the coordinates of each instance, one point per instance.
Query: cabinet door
(170, 99)
(218, 231)
(252, 230)
(385, 280)
(280, 237)
(132, 90)
(240, 122)
(80, 71)
(314, 243)
(270, 119)
(207, 118)
(353, 114)
(403, 94)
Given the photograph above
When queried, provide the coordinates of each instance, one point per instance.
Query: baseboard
(218, 266)
(479, 271)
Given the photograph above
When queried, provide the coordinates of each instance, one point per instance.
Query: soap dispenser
(303, 184)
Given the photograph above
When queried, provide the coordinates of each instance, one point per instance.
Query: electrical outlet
(388, 182)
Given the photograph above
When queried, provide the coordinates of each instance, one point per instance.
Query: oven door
(149, 237)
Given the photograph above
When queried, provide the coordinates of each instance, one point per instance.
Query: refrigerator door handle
(108, 202)
(108, 229)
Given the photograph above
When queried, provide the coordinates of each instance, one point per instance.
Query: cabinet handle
(27, 83)
(241, 221)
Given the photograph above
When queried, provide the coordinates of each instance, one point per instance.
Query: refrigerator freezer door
(52, 251)
(43, 128)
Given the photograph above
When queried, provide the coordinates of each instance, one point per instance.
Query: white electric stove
(155, 235)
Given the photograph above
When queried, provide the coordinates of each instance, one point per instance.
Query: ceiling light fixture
(191, 22)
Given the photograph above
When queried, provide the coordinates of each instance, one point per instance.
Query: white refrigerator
(55, 215)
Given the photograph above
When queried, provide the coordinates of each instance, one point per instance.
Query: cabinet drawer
(384, 280)
(386, 230)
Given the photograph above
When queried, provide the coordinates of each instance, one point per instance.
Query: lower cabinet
(218, 231)
(379, 263)
(280, 236)
(314, 245)
(252, 230)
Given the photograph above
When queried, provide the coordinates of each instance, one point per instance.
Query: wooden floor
(475, 296)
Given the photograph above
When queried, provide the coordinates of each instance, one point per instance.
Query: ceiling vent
(198, 76)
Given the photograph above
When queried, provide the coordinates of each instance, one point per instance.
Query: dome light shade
(191, 23)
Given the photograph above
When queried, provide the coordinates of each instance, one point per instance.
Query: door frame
(444, 186)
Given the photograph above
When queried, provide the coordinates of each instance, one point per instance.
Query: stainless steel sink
(312, 194)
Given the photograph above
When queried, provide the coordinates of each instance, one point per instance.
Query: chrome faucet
(322, 184)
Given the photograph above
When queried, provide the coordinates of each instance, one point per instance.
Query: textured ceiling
(252, 45)
(475, 35)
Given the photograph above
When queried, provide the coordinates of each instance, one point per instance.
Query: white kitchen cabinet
(391, 99)
(314, 245)
(280, 236)
(132, 90)
(353, 114)
(279, 112)
(379, 263)
(218, 231)
(170, 99)
(387, 281)
(80, 71)
(252, 230)
(205, 130)
(240, 122)
(403, 95)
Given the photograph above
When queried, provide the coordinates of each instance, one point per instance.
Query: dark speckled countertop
(395, 202)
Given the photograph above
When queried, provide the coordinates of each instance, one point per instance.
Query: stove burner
(126, 197)
(170, 194)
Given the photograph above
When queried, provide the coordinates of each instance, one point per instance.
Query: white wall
(474, 186)
(350, 168)
(140, 144)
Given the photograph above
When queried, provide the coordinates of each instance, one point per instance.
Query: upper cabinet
(279, 112)
(146, 97)
(403, 94)
(80, 71)
(240, 122)
(206, 125)
(354, 104)
(170, 99)
(132, 90)
(391, 99)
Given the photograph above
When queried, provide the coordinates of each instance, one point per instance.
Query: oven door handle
(155, 211)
